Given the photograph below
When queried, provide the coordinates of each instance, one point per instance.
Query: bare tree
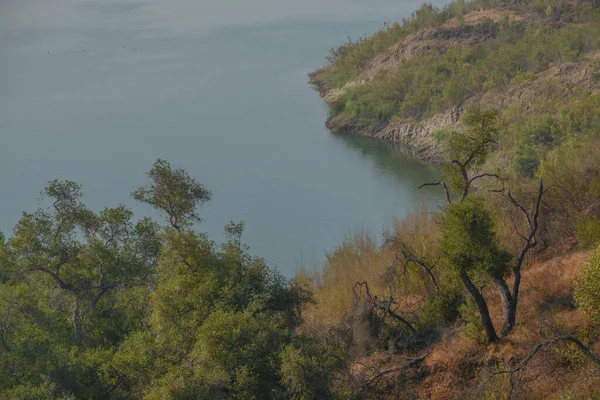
(510, 299)
(516, 373)
(361, 291)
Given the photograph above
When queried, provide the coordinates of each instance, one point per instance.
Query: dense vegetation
(98, 305)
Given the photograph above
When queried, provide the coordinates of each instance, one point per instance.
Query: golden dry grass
(361, 259)
(546, 304)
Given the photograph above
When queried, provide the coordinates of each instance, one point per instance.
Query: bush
(441, 135)
(474, 329)
(587, 287)
(588, 232)
(526, 162)
(308, 368)
(442, 309)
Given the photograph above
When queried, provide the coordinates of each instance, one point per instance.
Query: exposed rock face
(415, 138)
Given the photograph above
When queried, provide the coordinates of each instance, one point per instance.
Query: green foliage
(588, 231)
(474, 329)
(98, 305)
(173, 192)
(468, 150)
(472, 146)
(587, 287)
(442, 135)
(526, 162)
(442, 309)
(308, 366)
(469, 243)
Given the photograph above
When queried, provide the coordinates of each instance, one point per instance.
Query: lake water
(96, 90)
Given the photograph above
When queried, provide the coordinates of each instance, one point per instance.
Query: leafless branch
(410, 257)
(385, 306)
(412, 363)
(519, 369)
(474, 178)
(439, 183)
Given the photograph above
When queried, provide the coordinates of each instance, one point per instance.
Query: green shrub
(474, 329)
(442, 309)
(543, 132)
(308, 368)
(587, 287)
(588, 231)
(526, 162)
(441, 135)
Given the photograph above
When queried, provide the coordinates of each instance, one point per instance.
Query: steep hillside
(411, 82)
(506, 97)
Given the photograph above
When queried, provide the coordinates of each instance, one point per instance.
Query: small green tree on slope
(470, 249)
(468, 151)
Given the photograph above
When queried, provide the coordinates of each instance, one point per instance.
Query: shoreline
(415, 138)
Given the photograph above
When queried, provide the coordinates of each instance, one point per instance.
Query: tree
(173, 192)
(97, 305)
(74, 283)
(219, 318)
(468, 151)
(308, 366)
(469, 248)
(510, 300)
(468, 245)
(85, 255)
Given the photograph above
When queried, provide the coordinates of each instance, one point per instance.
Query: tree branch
(530, 243)
(383, 306)
(410, 364)
(474, 178)
(410, 257)
(57, 279)
(439, 183)
(547, 343)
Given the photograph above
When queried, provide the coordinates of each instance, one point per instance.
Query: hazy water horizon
(95, 91)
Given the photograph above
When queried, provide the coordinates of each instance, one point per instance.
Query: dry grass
(358, 259)
(456, 367)
(546, 304)
(361, 259)
(478, 16)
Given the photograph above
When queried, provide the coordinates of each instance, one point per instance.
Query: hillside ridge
(415, 132)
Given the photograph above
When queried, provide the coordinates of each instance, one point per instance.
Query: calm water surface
(96, 90)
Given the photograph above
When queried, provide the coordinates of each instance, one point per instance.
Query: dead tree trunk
(509, 306)
(510, 300)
